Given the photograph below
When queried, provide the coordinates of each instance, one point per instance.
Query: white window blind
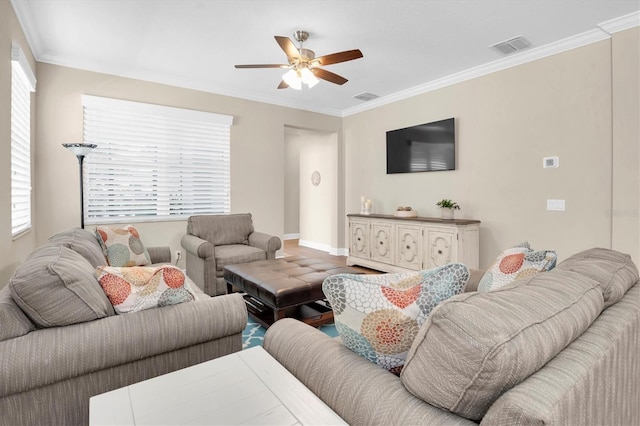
(23, 82)
(154, 163)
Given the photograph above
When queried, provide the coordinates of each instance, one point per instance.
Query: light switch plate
(556, 205)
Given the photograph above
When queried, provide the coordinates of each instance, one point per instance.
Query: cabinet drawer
(392, 244)
(441, 248)
(359, 240)
(409, 247)
(381, 243)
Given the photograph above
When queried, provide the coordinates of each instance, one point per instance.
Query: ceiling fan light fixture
(303, 65)
(296, 76)
(292, 78)
(308, 78)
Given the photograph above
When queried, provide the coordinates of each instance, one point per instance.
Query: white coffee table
(247, 387)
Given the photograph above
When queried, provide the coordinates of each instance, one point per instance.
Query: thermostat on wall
(550, 162)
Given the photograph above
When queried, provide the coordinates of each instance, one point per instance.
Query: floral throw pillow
(378, 316)
(136, 288)
(122, 246)
(517, 262)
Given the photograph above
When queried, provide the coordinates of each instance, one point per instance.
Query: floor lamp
(80, 150)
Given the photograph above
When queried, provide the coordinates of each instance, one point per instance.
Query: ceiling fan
(303, 65)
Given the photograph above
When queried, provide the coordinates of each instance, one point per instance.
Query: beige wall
(581, 105)
(310, 211)
(292, 182)
(626, 142)
(11, 252)
(257, 149)
(318, 204)
(506, 123)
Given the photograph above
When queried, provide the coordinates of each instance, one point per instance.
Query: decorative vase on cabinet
(447, 213)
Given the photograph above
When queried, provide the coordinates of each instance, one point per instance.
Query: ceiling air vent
(365, 96)
(513, 45)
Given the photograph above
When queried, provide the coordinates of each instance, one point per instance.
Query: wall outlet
(178, 255)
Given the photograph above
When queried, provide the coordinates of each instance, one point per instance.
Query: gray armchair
(214, 241)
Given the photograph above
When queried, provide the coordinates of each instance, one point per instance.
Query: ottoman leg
(278, 314)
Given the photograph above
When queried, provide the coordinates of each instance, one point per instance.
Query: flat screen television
(423, 148)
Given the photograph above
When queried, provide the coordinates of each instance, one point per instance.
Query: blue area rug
(253, 334)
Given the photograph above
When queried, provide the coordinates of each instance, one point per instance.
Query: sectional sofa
(558, 348)
(63, 343)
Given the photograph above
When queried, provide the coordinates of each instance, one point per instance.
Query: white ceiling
(406, 44)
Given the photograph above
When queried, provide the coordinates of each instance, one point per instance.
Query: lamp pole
(80, 150)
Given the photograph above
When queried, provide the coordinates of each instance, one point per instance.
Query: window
(23, 82)
(154, 163)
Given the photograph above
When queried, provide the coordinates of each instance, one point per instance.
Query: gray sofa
(558, 348)
(61, 342)
(214, 241)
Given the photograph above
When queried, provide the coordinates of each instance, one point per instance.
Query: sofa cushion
(378, 316)
(13, 322)
(514, 263)
(123, 246)
(82, 242)
(221, 229)
(56, 286)
(237, 253)
(136, 288)
(614, 271)
(476, 346)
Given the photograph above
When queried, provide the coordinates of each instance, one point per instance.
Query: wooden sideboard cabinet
(396, 244)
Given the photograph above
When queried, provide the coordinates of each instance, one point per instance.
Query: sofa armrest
(200, 263)
(269, 243)
(358, 390)
(475, 275)
(97, 345)
(595, 380)
(160, 254)
(197, 246)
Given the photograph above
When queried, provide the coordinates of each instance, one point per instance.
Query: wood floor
(291, 248)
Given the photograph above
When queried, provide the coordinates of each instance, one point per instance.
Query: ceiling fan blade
(329, 76)
(263, 66)
(283, 85)
(289, 48)
(334, 58)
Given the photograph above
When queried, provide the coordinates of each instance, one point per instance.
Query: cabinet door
(359, 240)
(441, 248)
(381, 245)
(409, 247)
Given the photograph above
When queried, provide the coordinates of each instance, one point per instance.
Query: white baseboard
(341, 252)
(291, 236)
(315, 245)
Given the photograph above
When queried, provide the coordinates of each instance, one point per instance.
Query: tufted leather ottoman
(286, 287)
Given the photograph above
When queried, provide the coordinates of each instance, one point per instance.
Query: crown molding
(24, 14)
(27, 23)
(178, 81)
(603, 32)
(513, 60)
(622, 23)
